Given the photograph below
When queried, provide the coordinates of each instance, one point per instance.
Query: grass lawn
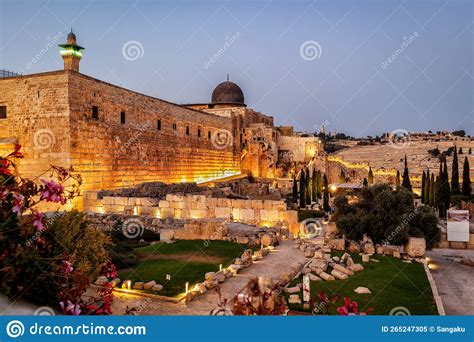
(392, 282)
(184, 260)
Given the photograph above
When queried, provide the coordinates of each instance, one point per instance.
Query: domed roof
(71, 35)
(228, 92)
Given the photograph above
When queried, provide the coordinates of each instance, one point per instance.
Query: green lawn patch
(306, 214)
(184, 260)
(392, 282)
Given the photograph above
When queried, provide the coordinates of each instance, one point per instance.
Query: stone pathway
(455, 282)
(284, 259)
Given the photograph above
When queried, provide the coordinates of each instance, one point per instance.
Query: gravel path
(284, 259)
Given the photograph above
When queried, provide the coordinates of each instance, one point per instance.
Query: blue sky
(350, 84)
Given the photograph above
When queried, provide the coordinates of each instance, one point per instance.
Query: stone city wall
(51, 116)
(255, 212)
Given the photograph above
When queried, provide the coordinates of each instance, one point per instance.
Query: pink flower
(17, 203)
(67, 266)
(70, 308)
(38, 222)
(52, 192)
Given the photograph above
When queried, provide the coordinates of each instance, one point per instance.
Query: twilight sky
(358, 67)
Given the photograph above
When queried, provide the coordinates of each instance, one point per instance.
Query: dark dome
(71, 35)
(228, 92)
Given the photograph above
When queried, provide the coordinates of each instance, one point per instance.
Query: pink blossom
(52, 192)
(38, 222)
(17, 203)
(67, 266)
(73, 309)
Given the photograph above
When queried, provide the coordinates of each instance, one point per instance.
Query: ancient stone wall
(112, 136)
(258, 212)
(38, 119)
(137, 138)
(302, 148)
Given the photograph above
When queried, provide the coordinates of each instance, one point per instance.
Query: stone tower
(71, 53)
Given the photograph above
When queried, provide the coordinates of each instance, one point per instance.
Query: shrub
(85, 245)
(387, 216)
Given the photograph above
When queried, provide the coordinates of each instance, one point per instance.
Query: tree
(470, 150)
(466, 180)
(427, 189)
(432, 192)
(455, 174)
(314, 185)
(370, 177)
(444, 193)
(302, 190)
(308, 186)
(365, 183)
(406, 177)
(295, 190)
(326, 194)
(342, 177)
(423, 185)
(319, 184)
(397, 179)
(460, 151)
(387, 216)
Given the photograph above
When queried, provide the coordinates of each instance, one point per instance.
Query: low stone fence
(267, 213)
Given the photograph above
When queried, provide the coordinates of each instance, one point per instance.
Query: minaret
(71, 53)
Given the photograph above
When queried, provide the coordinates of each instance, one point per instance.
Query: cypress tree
(314, 187)
(295, 190)
(302, 190)
(466, 179)
(423, 185)
(319, 184)
(432, 187)
(342, 177)
(326, 194)
(365, 183)
(436, 193)
(406, 177)
(444, 198)
(370, 177)
(308, 187)
(455, 174)
(460, 151)
(427, 187)
(470, 150)
(397, 180)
